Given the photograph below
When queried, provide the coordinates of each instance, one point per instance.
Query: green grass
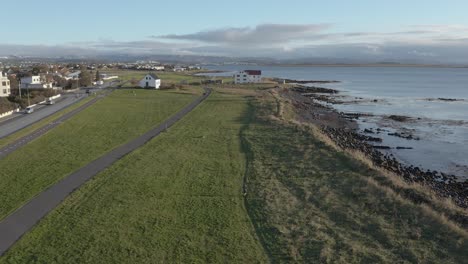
(312, 204)
(25, 131)
(178, 199)
(166, 77)
(107, 124)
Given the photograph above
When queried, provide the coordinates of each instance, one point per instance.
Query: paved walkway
(21, 221)
(41, 131)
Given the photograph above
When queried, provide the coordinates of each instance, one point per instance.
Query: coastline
(382, 65)
(421, 129)
(343, 130)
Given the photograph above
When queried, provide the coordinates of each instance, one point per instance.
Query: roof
(77, 73)
(253, 72)
(153, 75)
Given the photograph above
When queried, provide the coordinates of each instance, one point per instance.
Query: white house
(248, 76)
(150, 80)
(4, 85)
(34, 82)
(73, 76)
(179, 69)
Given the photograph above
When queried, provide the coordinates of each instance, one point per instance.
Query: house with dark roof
(151, 80)
(248, 76)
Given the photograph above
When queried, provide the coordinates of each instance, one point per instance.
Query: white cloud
(273, 34)
(430, 43)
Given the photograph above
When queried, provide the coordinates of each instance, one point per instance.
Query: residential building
(106, 77)
(151, 80)
(35, 82)
(4, 85)
(248, 76)
(73, 76)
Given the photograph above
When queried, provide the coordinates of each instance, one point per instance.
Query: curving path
(21, 221)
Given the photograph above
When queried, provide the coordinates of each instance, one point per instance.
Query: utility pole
(28, 96)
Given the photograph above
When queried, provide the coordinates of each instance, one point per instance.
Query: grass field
(23, 132)
(167, 78)
(113, 121)
(178, 199)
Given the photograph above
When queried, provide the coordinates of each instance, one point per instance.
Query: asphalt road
(21, 221)
(21, 120)
(18, 121)
(41, 131)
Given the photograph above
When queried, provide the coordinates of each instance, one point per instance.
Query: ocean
(435, 99)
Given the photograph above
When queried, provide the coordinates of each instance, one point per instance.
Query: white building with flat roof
(248, 76)
(4, 85)
(34, 82)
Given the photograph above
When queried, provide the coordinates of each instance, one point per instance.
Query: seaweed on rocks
(343, 130)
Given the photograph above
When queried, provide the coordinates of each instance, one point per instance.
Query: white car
(28, 110)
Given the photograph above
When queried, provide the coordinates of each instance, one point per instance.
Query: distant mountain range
(196, 59)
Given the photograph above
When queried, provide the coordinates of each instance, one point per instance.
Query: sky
(395, 30)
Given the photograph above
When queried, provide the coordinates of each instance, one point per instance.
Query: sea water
(415, 92)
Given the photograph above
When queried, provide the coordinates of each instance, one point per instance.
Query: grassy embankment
(113, 121)
(178, 199)
(312, 203)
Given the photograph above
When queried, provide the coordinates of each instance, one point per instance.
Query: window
(4, 91)
(3, 83)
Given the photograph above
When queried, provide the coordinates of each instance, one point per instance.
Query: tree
(61, 82)
(36, 70)
(43, 68)
(98, 76)
(13, 82)
(85, 77)
(14, 85)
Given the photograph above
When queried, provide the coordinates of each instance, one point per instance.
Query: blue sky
(54, 22)
(182, 26)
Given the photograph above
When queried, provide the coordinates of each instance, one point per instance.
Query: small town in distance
(31, 83)
(242, 132)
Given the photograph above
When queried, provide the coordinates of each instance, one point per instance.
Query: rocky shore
(343, 130)
(303, 81)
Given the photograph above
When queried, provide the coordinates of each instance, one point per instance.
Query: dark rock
(399, 118)
(381, 147)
